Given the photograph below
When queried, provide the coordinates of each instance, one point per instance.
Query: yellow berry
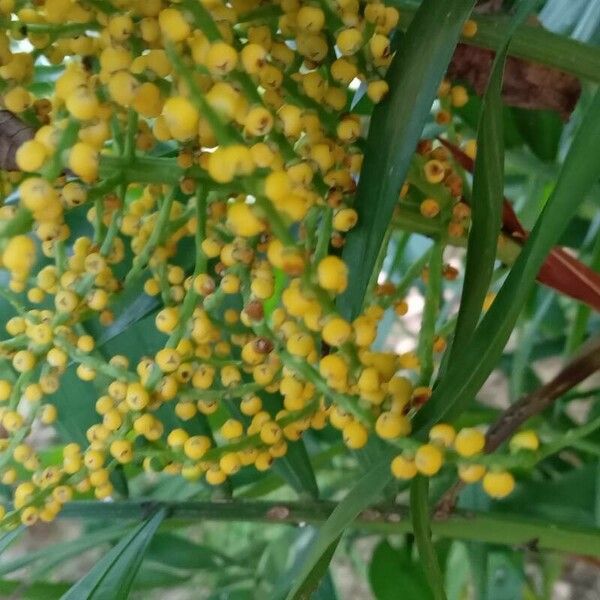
(181, 117)
(332, 274)
(19, 254)
(442, 434)
(215, 476)
(270, 433)
(470, 473)
(173, 25)
(49, 414)
(403, 467)
(196, 446)
(17, 99)
(5, 390)
(498, 484)
(459, 96)
(469, 28)
(349, 41)
(31, 155)
(122, 451)
(391, 425)
(525, 440)
(83, 104)
(377, 90)
(221, 58)
(469, 442)
(230, 463)
(137, 397)
(232, 429)
(429, 459)
(355, 435)
(310, 18)
(83, 161)
(336, 331)
(242, 220)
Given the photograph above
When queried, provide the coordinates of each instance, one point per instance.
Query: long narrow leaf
(61, 551)
(111, 578)
(487, 197)
(419, 508)
(580, 170)
(366, 491)
(396, 125)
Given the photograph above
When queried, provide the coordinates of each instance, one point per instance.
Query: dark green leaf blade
(396, 125)
(177, 552)
(296, 469)
(541, 129)
(313, 578)
(580, 170)
(392, 572)
(486, 199)
(365, 492)
(61, 551)
(419, 510)
(112, 576)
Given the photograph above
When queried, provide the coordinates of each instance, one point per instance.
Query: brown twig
(577, 370)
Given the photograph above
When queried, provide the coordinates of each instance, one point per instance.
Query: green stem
(324, 235)
(372, 284)
(495, 528)
(529, 42)
(419, 508)
(140, 261)
(430, 313)
(20, 223)
(191, 296)
(276, 222)
(132, 126)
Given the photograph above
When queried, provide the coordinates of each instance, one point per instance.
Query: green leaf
(313, 578)
(365, 492)
(419, 510)
(392, 574)
(541, 129)
(486, 199)
(62, 551)
(40, 590)
(175, 551)
(326, 589)
(296, 469)
(151, 576)
(396, 125)
(112, 576)
(531, 42)
(74, 418)
(471, 111)
(462, 381)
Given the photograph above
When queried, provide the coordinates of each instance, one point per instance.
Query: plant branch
(577, 370)
(476, 526)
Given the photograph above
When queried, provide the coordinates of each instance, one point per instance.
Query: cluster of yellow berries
(213, 152)
(466, 447)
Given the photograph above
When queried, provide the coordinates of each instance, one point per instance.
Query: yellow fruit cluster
(213, 153)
